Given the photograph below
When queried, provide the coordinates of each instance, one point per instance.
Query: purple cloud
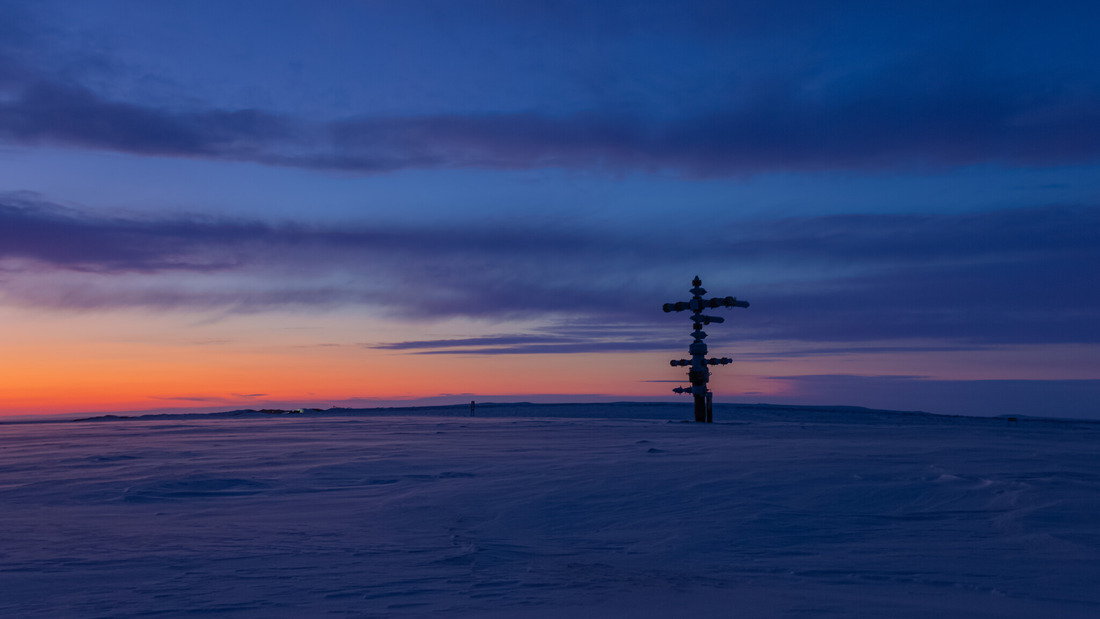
(469, 343)
(1008, 276)
(551, 340)
(882, 126)
(48, 112)
(882, 121)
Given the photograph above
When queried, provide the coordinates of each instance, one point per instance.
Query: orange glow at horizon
(98, 362)
(248, 380)
(60, 362)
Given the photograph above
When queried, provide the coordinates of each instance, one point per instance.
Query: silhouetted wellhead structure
(699, 373)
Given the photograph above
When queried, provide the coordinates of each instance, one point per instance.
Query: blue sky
(906, 192)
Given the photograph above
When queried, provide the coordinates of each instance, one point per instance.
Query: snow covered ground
(551, 511)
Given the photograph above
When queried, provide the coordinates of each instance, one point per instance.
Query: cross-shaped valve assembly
(699, 373)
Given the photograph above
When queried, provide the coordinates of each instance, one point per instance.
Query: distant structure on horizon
(699, 373)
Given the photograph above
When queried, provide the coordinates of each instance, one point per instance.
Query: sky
(210, 205)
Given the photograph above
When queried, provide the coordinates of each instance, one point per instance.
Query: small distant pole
(471, 408)
(699, 373)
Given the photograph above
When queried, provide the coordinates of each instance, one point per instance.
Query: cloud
(67, 239)
(549, 340)
(470, 343)
(823, 351)
(1022, 276)
(54, 113)
(1043, 300)
(88, 262)
(39, 106)
(781, 129)
(921, 238)
(889, 119)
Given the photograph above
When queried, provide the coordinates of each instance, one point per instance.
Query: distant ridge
(668, 411)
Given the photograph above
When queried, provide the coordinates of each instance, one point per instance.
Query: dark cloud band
(1025, 276)
(885, 123)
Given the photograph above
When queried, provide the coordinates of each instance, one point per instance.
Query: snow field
(770, 514)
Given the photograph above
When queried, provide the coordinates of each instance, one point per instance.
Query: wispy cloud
(785, 354)
(470, 343)
(1021, 276)
(53, 113)
(611, 340)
